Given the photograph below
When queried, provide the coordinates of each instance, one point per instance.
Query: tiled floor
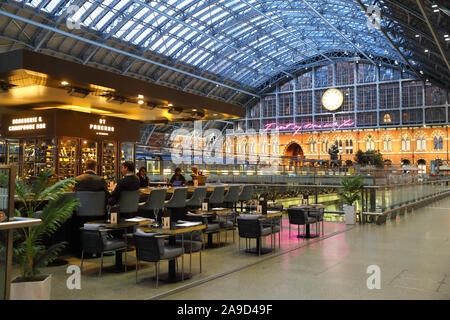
(412, 253)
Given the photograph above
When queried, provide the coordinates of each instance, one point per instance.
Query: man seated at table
(129, 182)
(177, 179)
(89, 180)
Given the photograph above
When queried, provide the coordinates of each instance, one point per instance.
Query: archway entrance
(422, 165)
(406, 162)
(294, 153)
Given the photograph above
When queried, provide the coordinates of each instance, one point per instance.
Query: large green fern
(56, 207)
(351, 190)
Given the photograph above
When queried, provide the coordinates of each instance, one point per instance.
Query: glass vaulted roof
(244, 41)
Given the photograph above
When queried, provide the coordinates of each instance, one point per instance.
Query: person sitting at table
(143, 179)
(129, 182)
(177, 179)
(89, 180)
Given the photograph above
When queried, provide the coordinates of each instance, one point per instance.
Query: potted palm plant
(55, 206)
(349, 194)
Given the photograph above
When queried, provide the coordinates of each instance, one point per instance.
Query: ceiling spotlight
(434, 6)
(436, 10)
(447, 39)
(140, 96)
(417, 35)
(64, 83)
(446, 36)
(194, 110)
(140, 102)
(170, 105)
(421, 72)
(426, 50)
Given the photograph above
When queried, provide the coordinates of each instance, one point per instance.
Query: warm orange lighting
(76, 108)
(170, 105)
(140, 96)
(140, 102)
(64, 83)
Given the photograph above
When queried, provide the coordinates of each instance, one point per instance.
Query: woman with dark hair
(143, 179)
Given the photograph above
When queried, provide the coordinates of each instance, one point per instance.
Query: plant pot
(31, 290)
(350, 217)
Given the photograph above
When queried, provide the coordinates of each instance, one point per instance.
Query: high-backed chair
(92, 241)
(151, 248)
(155, 202)
(318, 214)
(251, 227)
(177, 203)
(92, 203)
(197, 198)
(232, 195)
(217, 196)
(129, 203)
(245, 195)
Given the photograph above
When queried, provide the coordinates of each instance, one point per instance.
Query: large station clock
(332, 99)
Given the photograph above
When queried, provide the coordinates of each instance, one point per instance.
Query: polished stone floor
(412, 252)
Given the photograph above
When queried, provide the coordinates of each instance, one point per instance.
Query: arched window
(325, 146)
(421, 143)
(387, 144)
(312, 146)
(370, 143)
(349, 146)
(406, 143)
(438, 143)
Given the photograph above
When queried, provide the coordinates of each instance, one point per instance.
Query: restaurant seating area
(139, 236)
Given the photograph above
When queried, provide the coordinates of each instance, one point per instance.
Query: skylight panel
(51, 5)
(104, 20)
(94, 15)
(80, 12)
(142, 35)
(124, 29)
(175, 47)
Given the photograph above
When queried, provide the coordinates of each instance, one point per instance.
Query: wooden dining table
(178, 229)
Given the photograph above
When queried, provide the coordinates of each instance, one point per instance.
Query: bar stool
(155, 202)
(217, 196)
(129, 203)
(177, 201)
(197, 198)
(245, 195)
(229, 222)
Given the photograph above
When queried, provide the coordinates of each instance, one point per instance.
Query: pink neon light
(308, 126)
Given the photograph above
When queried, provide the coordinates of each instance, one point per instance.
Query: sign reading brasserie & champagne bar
(69, 124)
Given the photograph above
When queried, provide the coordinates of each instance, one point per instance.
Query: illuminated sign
(309, 126)
(101, 128)
(25, 124)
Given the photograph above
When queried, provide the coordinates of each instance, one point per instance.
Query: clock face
(332, 99)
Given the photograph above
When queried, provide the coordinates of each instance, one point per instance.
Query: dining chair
(93, 241)
(129, 203)
(251, 227)
(299, 216)
(150, 247)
